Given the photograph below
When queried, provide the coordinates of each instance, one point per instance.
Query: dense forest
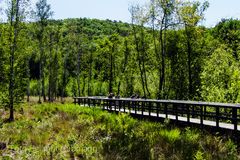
(163, 54)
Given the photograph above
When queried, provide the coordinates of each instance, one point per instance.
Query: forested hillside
(163, 54)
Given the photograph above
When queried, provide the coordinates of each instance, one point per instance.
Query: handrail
(220, 115)
(200, 103)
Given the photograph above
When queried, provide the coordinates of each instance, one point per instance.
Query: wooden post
(165, 110)
(201, 116)
(188, 113)
(109, 104)
(183, 110)
(138, 105)
(149, 108)
(74, 101)
(234, 118)
(129, 106)
(120, 105)
(102, 102)
(193, 111)
(135, 107)
(217, 116)
(175, 106)
(106, 104)
(205, 111)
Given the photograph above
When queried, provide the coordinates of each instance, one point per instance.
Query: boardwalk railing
(220, 115)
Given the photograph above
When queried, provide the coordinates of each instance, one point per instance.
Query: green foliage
(163, 54)
(228, 32)
(13, 55)
(77, 58)
(54, 131)
(199, 156)
(220, 81)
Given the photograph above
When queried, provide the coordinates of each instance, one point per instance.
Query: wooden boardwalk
(217, 115)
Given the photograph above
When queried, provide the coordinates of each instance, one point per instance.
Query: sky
(118, 9)
(219, 9)
(100, 9)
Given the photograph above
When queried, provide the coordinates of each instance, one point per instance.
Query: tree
(138, 22)
(91, 49)
(220, 77)
(2, 58)
(16, 14)
(42, 14)
(191, 13)
(228, 32)
(3, 65)
(53, 61)
(114, 39)
(161, 15)
(123, 64)
(64, 55)
(107, 48)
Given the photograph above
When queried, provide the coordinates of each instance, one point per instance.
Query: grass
(34, 100)
(57, 131)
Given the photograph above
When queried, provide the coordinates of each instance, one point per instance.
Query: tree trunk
(90, 77)
(126, 55)
(110, 90)
(39, 82)
(29, 80)
(143, 65)
(54, 92)
(139, 51)
(11, 84)
(43, 85)
(163, 58)
(50, 71)
(78, 73)
(64, 78)
(189, 51)
(84, 84)
(40, 69)
(78, 84)
(12, 56)
(139, 59)
(28, 91)
(162, 68)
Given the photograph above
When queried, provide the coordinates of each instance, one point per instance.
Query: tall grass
(55, 131)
